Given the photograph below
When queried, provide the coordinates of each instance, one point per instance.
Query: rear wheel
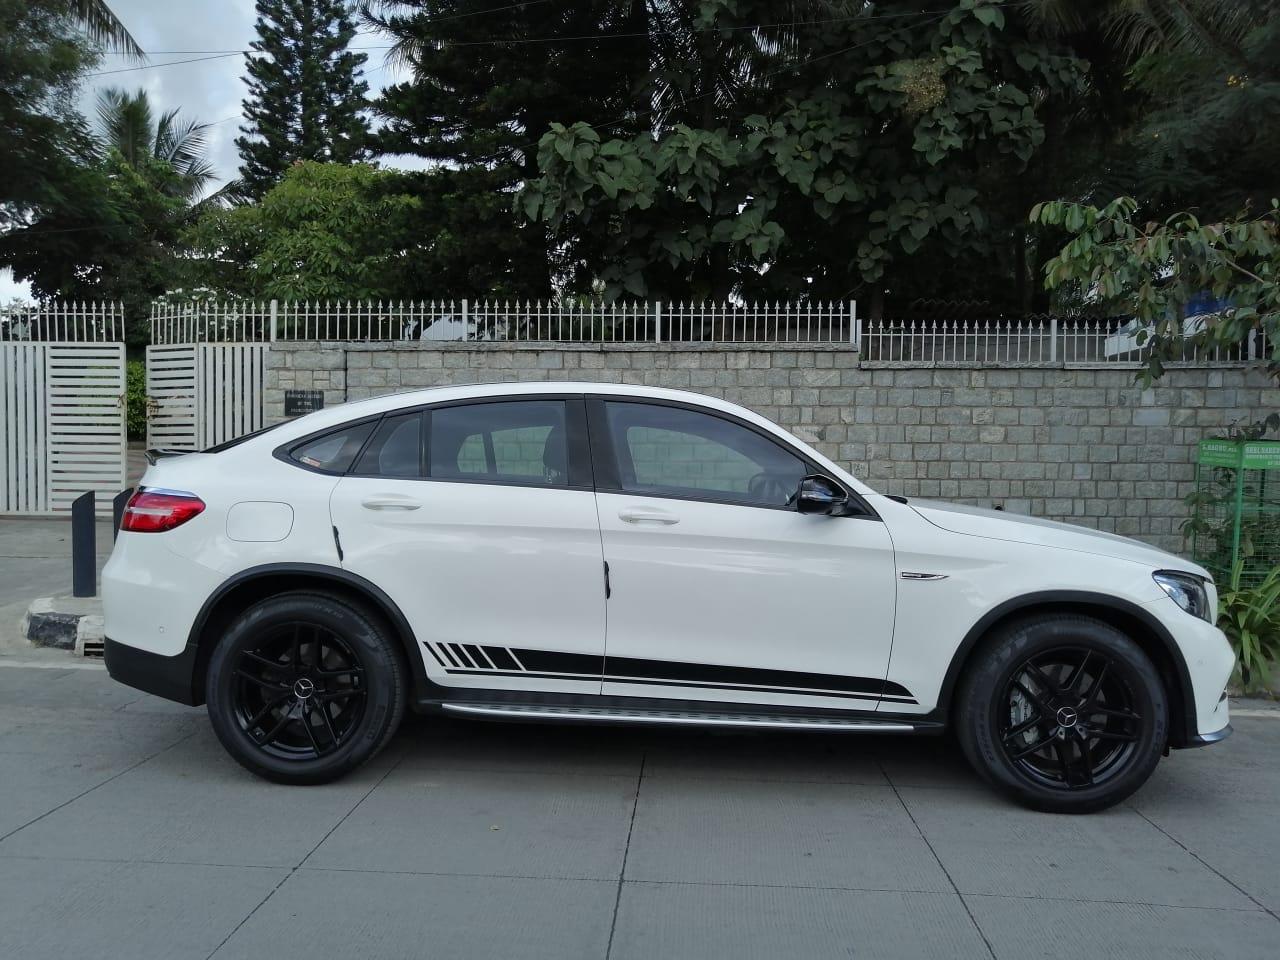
(304, 688)
(1064, 713)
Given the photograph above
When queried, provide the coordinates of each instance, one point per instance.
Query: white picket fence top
(63, 322)
(505, 321)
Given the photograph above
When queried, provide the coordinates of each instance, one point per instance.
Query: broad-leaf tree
(1153, 270)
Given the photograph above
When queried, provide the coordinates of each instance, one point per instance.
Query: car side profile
(610, 553)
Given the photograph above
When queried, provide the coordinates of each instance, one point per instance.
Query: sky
(209, 90)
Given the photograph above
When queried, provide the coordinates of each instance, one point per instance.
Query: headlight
(1187, 591)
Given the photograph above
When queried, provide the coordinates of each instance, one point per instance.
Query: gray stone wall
(1087, 446)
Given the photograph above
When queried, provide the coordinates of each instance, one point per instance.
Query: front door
(479, 521)
(719, 589)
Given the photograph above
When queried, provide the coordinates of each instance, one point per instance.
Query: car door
(720, 590)
(478, 520)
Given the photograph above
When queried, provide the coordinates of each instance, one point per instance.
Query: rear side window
(333, 452)
(519, 441)
(395, 450)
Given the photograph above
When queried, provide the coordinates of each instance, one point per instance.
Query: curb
(65, 623)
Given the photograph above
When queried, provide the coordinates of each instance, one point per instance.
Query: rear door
(478, 519)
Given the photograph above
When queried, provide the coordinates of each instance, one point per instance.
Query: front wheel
(1064, 713)
(305, 687)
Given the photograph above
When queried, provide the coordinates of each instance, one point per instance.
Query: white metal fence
(62, 407)
(1041, 341)
(505, 321)
(82, 322)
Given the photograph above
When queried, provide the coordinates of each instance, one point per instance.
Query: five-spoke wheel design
(1063, 712)
(300, 692)
(1070, 720)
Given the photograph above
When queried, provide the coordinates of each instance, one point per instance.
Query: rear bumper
(170, 677)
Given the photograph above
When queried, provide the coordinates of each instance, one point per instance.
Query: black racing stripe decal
(448, 655)
(713, 673)
(475, 654)
(523, 673)
(792, 691)
(460, 654)
(435, 656)
(657, 672)
(501, 658)
(554, 661)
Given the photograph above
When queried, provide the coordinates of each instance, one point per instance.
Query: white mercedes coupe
(608, 553)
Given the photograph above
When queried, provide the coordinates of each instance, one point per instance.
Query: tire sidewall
(982, 702)
(383, 683)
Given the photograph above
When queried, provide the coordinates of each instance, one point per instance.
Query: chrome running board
(498, 711)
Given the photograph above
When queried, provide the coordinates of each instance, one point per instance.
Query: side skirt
(523, 707)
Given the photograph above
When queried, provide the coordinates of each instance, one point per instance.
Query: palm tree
(1139, 28)
(127, 123)
(104, 27)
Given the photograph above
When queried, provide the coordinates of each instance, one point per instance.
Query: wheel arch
(249, 586)
(1130, 618)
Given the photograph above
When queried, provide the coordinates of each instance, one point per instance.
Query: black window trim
(606, 470)
(577, 447)
(588, 446)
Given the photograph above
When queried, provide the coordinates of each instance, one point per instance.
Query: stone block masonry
(1087, 446)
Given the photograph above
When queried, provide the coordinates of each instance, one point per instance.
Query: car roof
(472, 391)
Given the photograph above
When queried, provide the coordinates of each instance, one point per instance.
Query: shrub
(1250, 617)
(137, 400)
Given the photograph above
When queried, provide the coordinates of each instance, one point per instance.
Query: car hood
(1000, 525)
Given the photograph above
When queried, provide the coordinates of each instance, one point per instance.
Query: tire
(303, 687)
(1063, 713)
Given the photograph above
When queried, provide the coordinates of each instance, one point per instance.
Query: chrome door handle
(648, 516)
(390, 503)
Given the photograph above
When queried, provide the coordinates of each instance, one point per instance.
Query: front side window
(517, 441)
(674, 452)
(334, 452)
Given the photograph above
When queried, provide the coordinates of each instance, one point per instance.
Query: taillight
(151, 510)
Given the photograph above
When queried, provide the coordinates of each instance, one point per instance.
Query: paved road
(125, 832)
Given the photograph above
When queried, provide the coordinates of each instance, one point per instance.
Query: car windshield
(228, 444)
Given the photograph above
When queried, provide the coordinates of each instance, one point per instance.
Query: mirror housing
(821, 495)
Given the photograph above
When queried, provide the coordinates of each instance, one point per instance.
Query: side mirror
(819, 494)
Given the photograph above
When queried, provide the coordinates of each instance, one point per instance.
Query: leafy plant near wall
(136, 397)
(1250, 617)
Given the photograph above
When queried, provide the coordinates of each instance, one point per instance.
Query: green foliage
(1152, 270)
(870, 166)
(325, 231)
(46, 143)
(306, 98)
(128, 125)
(1250, 617)
(138, 404)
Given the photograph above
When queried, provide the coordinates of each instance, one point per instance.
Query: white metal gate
(203, 393)
(62, 409)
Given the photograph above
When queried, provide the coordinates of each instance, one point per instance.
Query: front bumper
(170, 677)
(1208, 739)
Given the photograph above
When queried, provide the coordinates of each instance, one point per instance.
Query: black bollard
(118, 504)
(84, 561)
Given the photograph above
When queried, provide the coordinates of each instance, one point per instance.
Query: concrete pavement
(125, 831)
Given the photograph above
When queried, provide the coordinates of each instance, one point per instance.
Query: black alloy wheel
(1071, 720)
(1062, 712)
(304, 687)
(299, 694)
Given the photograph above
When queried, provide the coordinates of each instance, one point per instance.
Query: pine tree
(306, 96)
(488, 80)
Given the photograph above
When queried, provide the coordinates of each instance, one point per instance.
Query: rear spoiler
(160, 453)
